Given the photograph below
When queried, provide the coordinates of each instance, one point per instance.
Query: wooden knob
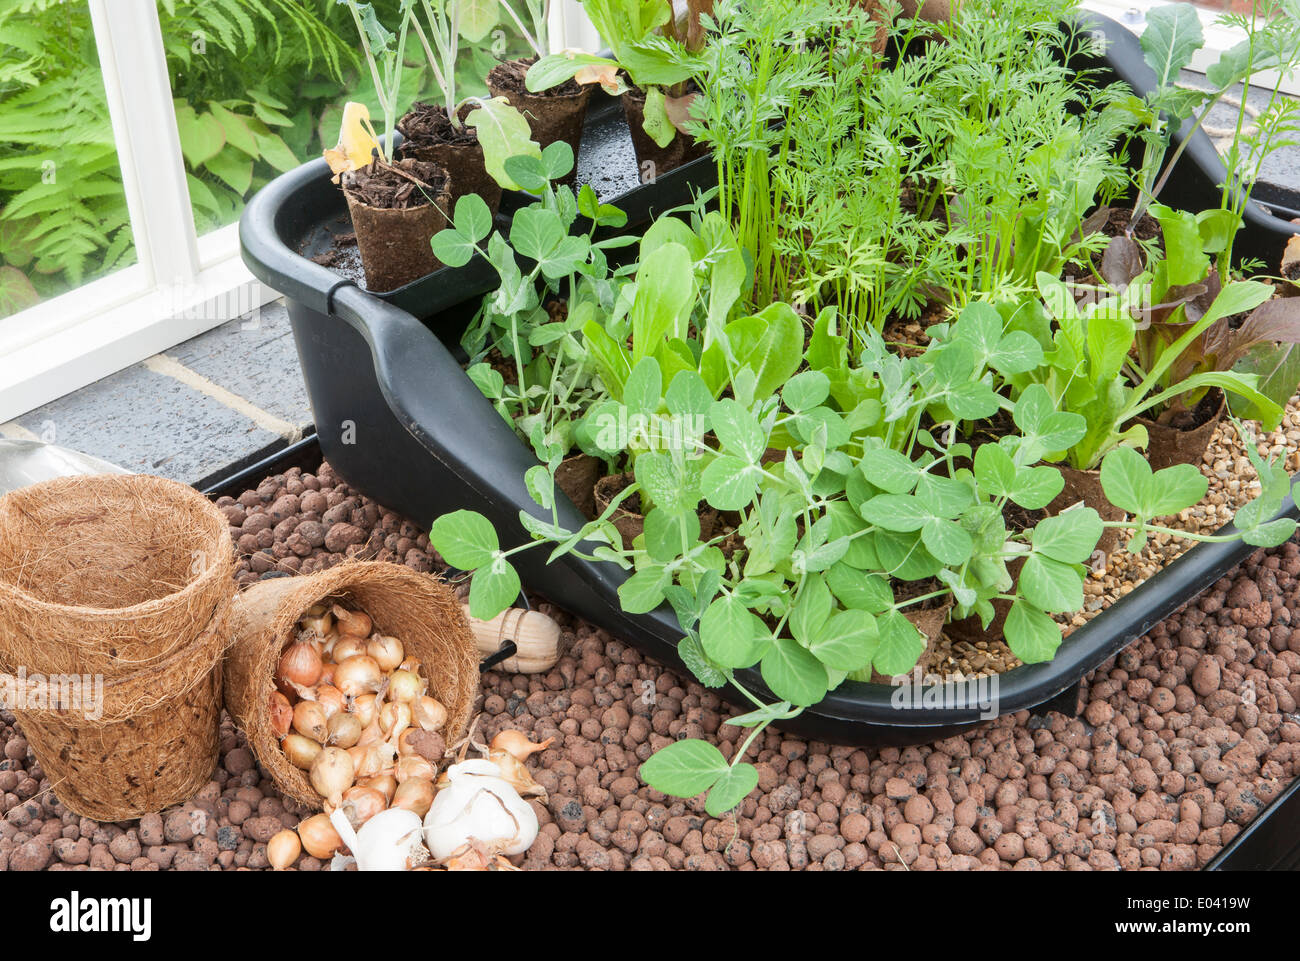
(535, 635)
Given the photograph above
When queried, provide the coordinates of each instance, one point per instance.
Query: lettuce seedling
(503, 132)
(646, 39)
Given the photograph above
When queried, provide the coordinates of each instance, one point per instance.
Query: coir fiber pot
(1168, 445)
(418, 609)
(119, 585)
(430, 443)
(429, 136)
(929, 621)
(394, 241)
(629, 523)
(577, 476)
(552, 115)
(1084, 487)
(971, 630)
(652, 159)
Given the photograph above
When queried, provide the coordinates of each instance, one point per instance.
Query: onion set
(348, 706)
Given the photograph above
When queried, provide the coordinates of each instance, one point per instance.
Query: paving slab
(150, 423)
(253, 356)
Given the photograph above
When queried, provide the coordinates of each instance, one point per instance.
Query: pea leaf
(493, 589)
(688, 395)
(535, 232)
(527, 171)
(859, 590)
(472, 217)
(557, 158)
(945, 497)
(738, 430)
(846, 642)
(666, 528)
(1270, 533)
(1016, 353)
(729, 483)
(973, 401)
(1050, 585)
(452, 248)
(1125, 475)
(896, 512)
(731, 634)
(1036, 487)
(465, 539)
(1070, 537)
(904, 556)
(643, 591)
(793, 673)
(589, 205)
(730, 789)
(693, 656)
(946, 540)
(806, 390)
(889, 470)
(684, 768)
(1032, 635)
(812, 608)
(994, 470)
(1045, 428)
(1129, 484)
(901, 645)
(1175, 488)
(541, 486)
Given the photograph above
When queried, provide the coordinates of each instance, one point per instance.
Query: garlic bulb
(478, 804)
(389, 841)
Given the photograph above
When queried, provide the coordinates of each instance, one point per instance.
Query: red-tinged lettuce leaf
(1279, 374)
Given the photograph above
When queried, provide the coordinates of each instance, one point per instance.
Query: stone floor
(210, 405)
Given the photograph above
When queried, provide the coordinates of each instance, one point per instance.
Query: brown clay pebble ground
(1183, 739)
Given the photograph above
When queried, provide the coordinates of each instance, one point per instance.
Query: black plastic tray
(397, 417)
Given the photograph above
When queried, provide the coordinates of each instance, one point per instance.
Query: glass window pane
(63, 215)
(259, 87)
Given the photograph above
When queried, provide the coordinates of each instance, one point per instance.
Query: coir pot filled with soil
(396, 209)
(652, 159)
(555, 114)
(577, 477)
(929, 619)
(1084, 487)
(429, 136)
(1187, 435)
(627, 519)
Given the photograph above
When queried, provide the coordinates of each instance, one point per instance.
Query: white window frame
(182, 284)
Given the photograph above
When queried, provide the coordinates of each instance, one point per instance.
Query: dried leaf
(357, 142)
(679, 110)
(604, 74)
(1291, 259)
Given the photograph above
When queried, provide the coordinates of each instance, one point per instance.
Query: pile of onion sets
(353, 712)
